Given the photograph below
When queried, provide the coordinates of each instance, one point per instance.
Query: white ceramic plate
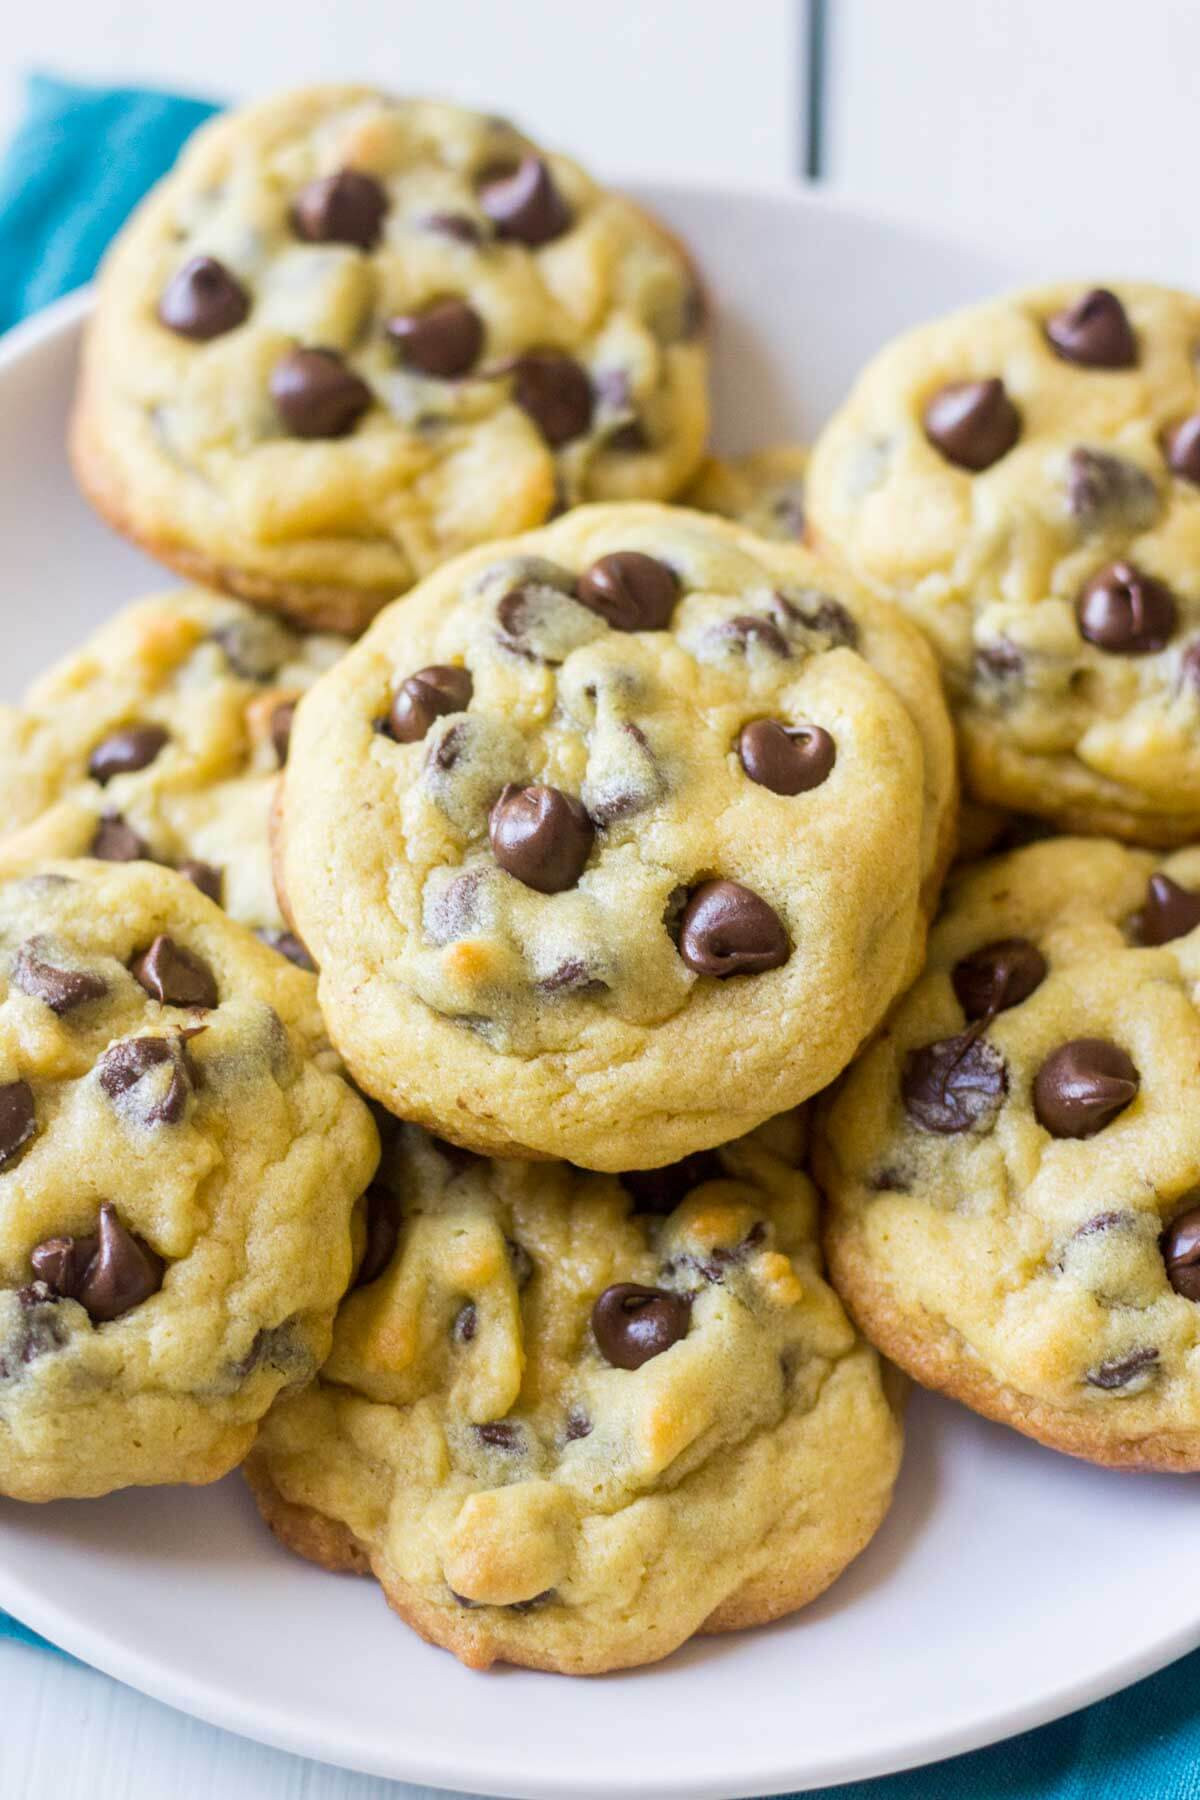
(1008, 1586)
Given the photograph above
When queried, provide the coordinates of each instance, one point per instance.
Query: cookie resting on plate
(1013, 1168)
(180, 1164)
(1024, 479)
(571, 1419)
(351, 335)
(613, 840)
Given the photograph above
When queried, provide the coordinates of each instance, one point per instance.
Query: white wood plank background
(1066, 127)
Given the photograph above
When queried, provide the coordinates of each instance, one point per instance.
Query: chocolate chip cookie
(162, 740)
(1024, 478)
(352, 335)
(570, 1419)
(1014, 1167)
(764, 490)
(611, 840)
(179, 1165)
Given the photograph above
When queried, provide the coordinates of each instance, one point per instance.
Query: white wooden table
(1058, 125)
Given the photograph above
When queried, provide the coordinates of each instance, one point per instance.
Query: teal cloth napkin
(80, 162)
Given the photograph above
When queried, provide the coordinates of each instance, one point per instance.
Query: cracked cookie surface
(180, 1161)
(351, 335)
(616, 839)
(162, 739)
(571, 1419)
(1013, 1168)
(1024, 479)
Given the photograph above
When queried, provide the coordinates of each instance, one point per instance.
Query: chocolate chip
(383, 1233)
(287, 944)
(578, 1425)
(125, 752)
(545, 1598)
(316, 395)
(276, 1347)
(751, 628)
(1082, 1086)
(1182, 446)
(442, 340)
(1180, 1244)
(173, 975)
(466, 1321)
(1121, 1370)
(716, 1263)
(253, 647)
(1000, 660)
(18, 1119)
(633, 1323)
(954, 1084)
(572, 976)
(1125, 612)
(40, 1330)
(726, 929)
(787, 759)
(1108, 492)
(556, 393)
(116, 841)
(124, 1065)
(459, 226)
(61, 1263)
(820, 613)
(58, 988)
(661, 1190)
(1095, 332)
(346, 208)
(203, 300)
(997, 976)
(203, 875)
(123, 1273)
(541, 836)
(972, 423)
(1169, 912)
(426, 696)
(524, 203)
(630, 591)
(501, 1435)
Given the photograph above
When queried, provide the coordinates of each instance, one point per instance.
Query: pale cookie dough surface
(162, 739)
(181, 442)
(523, 1497)
(577, 1022)
(205, 1136)
(994, 563)
(1044, 1277)
(764, 490)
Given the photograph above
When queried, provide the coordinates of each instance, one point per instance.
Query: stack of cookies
(418, 943)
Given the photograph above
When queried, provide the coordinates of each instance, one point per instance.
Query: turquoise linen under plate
(80, 162)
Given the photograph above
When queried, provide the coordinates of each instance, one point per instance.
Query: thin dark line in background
(815, 47)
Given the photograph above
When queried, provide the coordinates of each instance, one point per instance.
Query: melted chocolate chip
(1182, 446)
(442, 340)
(500, 1435)
(316, 395)
(251, 646)
(174, 976)
(1082, 1086)
(346, 208)
(203, 875)
(287, 944)
(556, 393)
(578, 1425)
(1000, 661)
(40, 1330)
(1180, 1244)
(426, 696)
(383, 1233)
(787, 759)
(124, 1065)
(726, 929)
(1125, 612)
(466, 1323)
(955, 1084)
(751, 628)
(459, 226)
(524, 203)
(203, 300)
(632, 1323)
(116, 841)
(1094, 332)
(997, 976)
(125, 752)
(18, 1119)
(123, 1273)
(630, 591)
(1169, 912)
(60, 989)
(540, 835)
(1108, 492)
(820, 613)
(661, 1190)
(61, 1264)
(972, 423)
(1121, 1370)
(282, 719)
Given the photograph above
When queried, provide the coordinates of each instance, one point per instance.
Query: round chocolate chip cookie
(611, 841)
(570, 1419)
(179, 1167)
(162, 740)
(764, 490)
(1024, 478)
(1013, 1169)
(352, 335)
